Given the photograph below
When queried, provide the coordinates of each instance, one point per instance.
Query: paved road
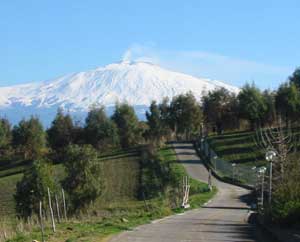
(224, 219)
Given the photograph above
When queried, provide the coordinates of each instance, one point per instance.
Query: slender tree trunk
(57, 209)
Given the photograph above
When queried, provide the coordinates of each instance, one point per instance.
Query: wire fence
(226, 169)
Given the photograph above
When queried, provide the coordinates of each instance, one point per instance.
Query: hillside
(117, 209)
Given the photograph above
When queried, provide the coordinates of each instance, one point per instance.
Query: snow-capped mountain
(138, 83)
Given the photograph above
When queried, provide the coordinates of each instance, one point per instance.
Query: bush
(286, 197)
(153, 175)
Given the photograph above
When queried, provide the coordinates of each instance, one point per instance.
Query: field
(116, 210)
(237, 147)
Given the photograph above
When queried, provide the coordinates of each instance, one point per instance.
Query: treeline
(252, 108)
(78, 146)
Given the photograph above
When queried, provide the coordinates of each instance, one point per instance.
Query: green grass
(123, 211)
(237, 147)
(7, 189)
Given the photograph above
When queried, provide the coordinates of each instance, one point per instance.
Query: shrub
(286, 197)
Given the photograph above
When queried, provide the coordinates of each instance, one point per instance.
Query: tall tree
(295, 78)
(33, 188)
(100, 131)
(270, 113)
(185, 115)
(220, 109)
(252, 106)
(5, 135)
(157, 128)
(61, 132)
(29, 138)
(83, 181)
(128, 125)
(288, 102)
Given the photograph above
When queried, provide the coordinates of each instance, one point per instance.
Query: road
(224, 219)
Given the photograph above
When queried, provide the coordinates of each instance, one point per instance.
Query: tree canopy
(29, 138)
(127, 124)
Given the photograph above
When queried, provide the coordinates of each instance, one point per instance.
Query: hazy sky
(234, 41)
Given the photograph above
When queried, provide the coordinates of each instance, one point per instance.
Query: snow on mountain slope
(138, 83)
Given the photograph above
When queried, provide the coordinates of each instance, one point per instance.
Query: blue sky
(234, 41)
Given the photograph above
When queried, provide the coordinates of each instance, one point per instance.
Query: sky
(234, 41)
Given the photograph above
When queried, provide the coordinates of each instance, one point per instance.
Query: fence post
(51, 211)
(64, 203)
(41, 222)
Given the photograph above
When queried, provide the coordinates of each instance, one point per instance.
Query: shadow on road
(225, 207)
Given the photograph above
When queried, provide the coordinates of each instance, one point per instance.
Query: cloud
(233, 70)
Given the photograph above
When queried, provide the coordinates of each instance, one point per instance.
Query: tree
(5, 135)
(287, 102)
(286, 197)
(295, 78)
(270, 113)
(100, 131)
(29, 138)
(83, 181)
(157, 127)
(185, 115)
(252, 106)
(128, 125)
(61, 132)
(33, 188)
(220, 109)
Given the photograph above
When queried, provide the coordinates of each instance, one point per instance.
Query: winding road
(223, 219)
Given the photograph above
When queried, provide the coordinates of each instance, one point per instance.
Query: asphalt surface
(224, 219)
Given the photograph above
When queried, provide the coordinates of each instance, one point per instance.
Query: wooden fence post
(64, 203)
(51, 211)
(41, 222)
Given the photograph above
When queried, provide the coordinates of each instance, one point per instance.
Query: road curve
(224, 219)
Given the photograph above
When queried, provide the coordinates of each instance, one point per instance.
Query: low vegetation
(119, 207)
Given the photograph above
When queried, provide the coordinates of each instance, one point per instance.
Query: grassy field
(117, 209)
(237, 147)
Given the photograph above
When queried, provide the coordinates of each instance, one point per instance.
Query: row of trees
(252, 107)
(78, 147)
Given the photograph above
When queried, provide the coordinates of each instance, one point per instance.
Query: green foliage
(237, 147)
(270, 114)
(158, 128)
(33, 188)
(160, 172)
(100, 131)
(295, 78)
(288, 101)
(128, 125)
(252, 105)
(83, 181)
(29, 138)
(220, 109)
(5, 135)
(60, 134)
(185, 115)
(154, 175)
(286, 197)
